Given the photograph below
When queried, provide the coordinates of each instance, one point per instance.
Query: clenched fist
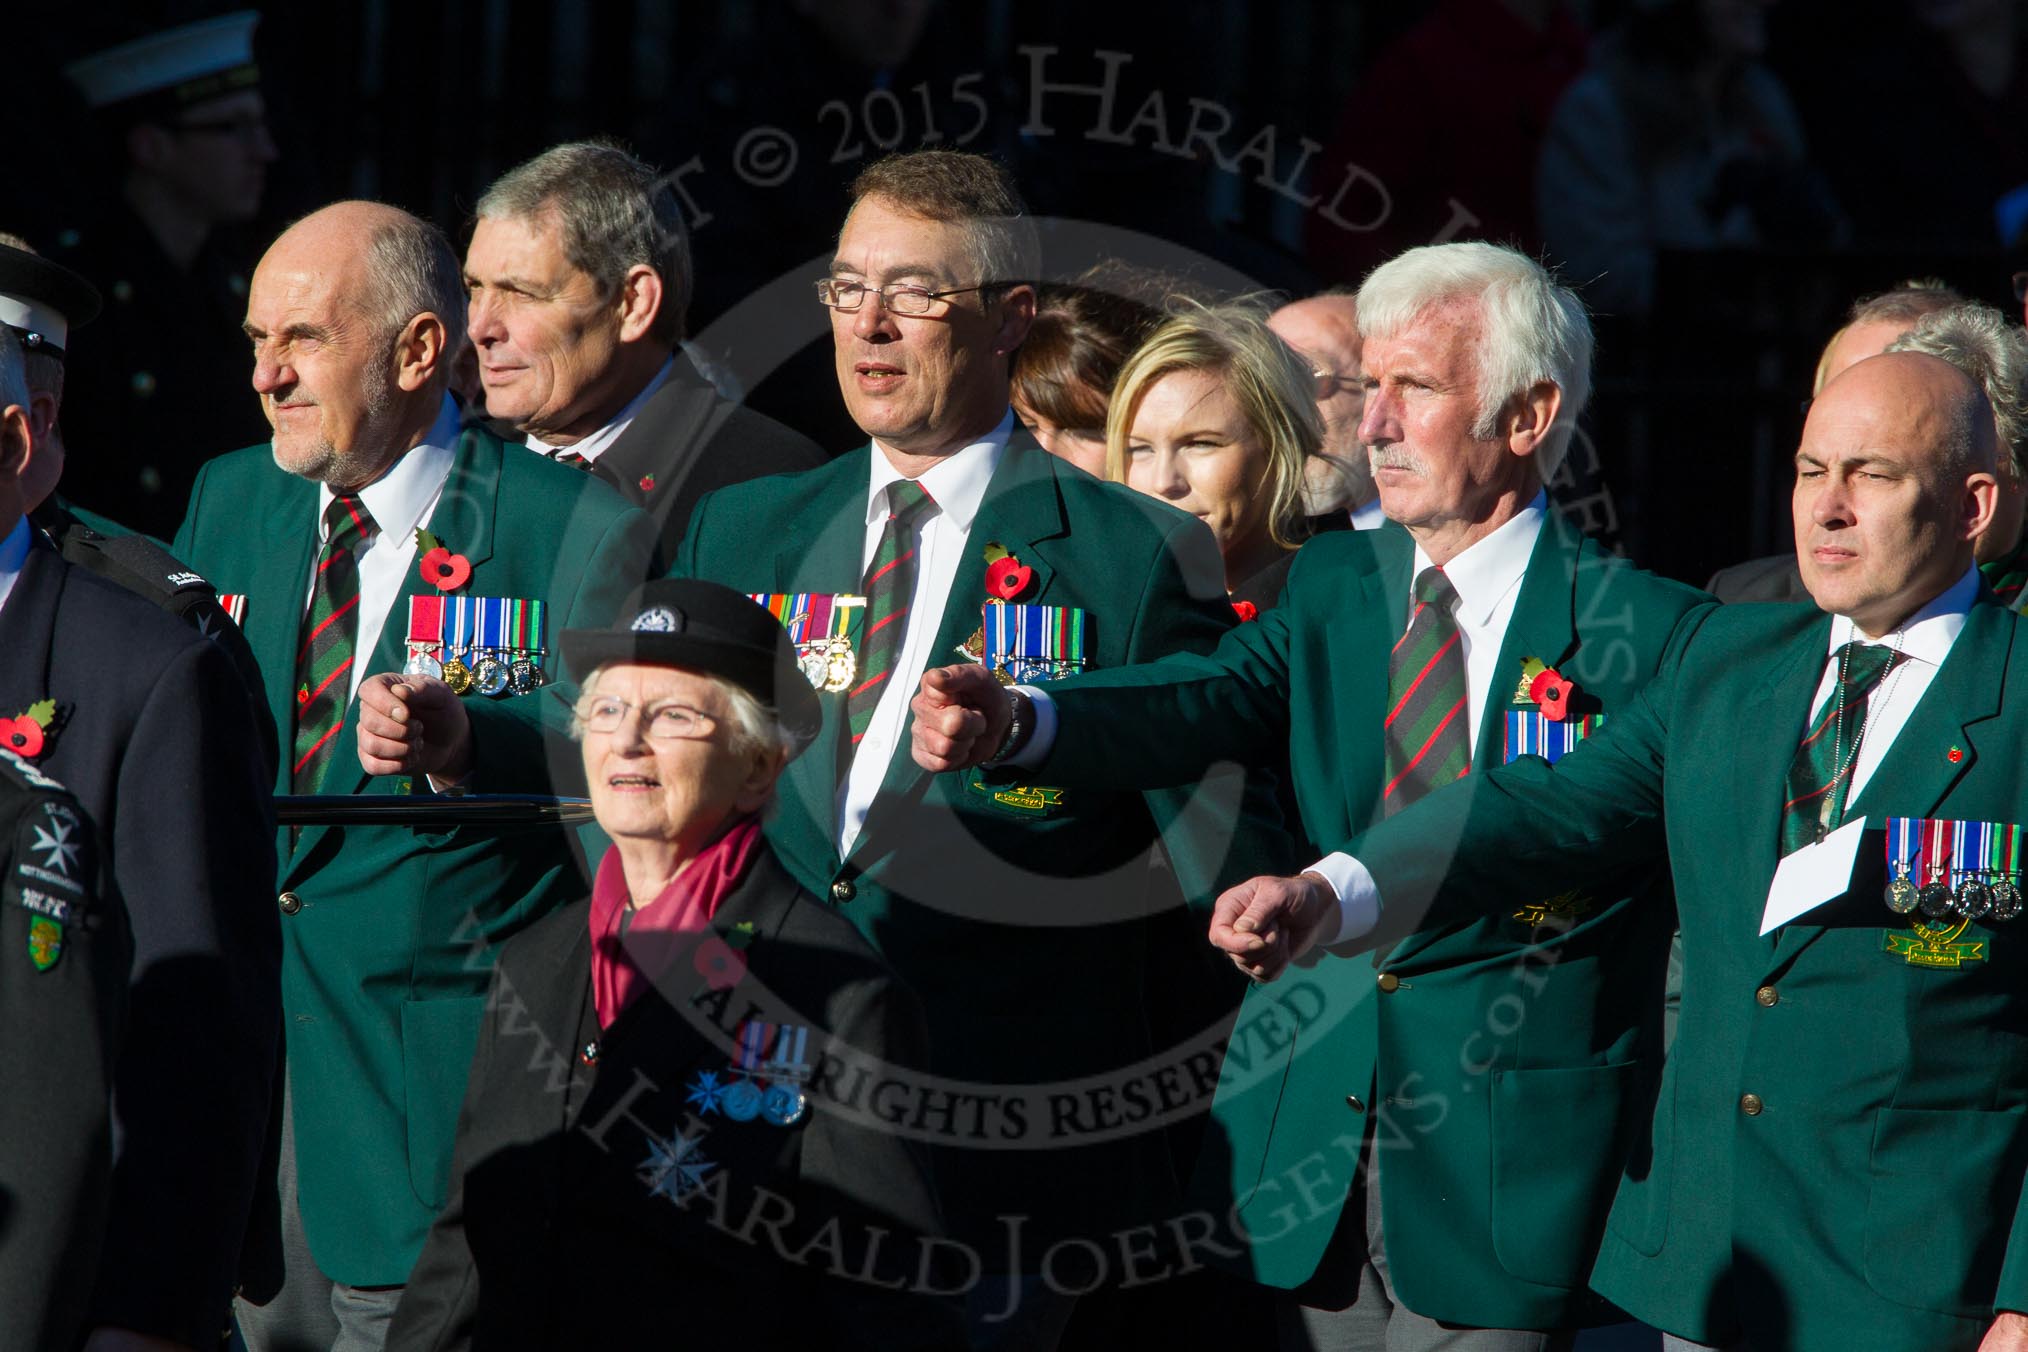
(961, 717)
(413, 725)
(1264, 924)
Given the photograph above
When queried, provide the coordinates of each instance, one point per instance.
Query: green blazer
(388, 931)
(1868, 1192)
(1505, 1058)
(1023, 920)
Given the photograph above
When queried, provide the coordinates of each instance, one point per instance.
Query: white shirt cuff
(1358, 897)
(1036, 749)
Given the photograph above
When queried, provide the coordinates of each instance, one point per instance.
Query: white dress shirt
(957, 484)
(1924, 641)
(596, 444)
(13, 558)
(399, 501)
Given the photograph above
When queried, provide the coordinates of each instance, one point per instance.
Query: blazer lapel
(1918, 773)
(1774, 715)
(1023, 512)
(821, 550)
(277, 587)
(1543, 625)
(1362, 638)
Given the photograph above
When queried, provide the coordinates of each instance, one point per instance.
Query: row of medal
(770, 1065)
(491, 644)
(1530, 733)
(819, 624)
(1027, 645)
(1947, 869)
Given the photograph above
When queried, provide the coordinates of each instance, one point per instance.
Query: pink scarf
(624, 965)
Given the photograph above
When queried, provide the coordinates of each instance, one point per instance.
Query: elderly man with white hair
(1418, 1151)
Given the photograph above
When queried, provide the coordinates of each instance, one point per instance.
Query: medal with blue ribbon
(1954, 873)
(1530, 733)
(1028, 644)
(492, 644)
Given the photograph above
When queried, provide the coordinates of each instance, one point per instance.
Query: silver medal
(489, 675)
(784, 1105)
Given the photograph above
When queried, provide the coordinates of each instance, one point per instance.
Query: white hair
(1534, 327)
(1978, 340)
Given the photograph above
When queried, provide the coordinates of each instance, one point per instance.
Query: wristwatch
(1020, 723)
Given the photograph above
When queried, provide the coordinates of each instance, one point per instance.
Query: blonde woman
(1215, 415)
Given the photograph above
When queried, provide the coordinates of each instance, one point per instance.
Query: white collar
(1929, 633)
(1491, 567)
(590, 446)
(956, 483)
(398, 499)
(13, 557)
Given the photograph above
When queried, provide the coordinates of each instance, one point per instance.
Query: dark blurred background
(1724, 176)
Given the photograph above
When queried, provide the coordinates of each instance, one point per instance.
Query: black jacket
(1775, 578)
(688, 440)
(153, 734)
(599, 1198)
(64, 950)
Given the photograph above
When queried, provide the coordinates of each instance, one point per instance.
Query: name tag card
(1812, 876)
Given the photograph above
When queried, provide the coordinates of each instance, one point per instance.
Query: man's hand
(1264, 924)
(961, 717)
(413, 725)
(2008, 1334)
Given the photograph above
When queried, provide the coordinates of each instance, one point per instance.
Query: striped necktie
(889, 589)
(330, 633)
(573, 459)
(1820, 776)
(1428, 730)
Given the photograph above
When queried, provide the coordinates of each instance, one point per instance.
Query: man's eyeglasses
(842, 293)
(1330, 382)
(664, 722)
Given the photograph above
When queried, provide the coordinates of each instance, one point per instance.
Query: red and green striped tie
(330, 633)
(889, 589)
(1429, 729)
(1822, 767)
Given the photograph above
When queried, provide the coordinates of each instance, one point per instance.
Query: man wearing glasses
(1325, 329)
(1000, 901)
(163, 385)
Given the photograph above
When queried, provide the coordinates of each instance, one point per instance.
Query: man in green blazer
(1488, 1074)
(353, 314)
(1838, 1145)
(1035, 924)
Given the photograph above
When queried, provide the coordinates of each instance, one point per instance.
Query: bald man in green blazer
(388, 930)
(1838, 1146)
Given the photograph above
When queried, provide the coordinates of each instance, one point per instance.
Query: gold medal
(840, 666)
(457, 676)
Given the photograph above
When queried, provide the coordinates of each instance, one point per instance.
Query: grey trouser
(1354, 1276)
(311, 1313)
